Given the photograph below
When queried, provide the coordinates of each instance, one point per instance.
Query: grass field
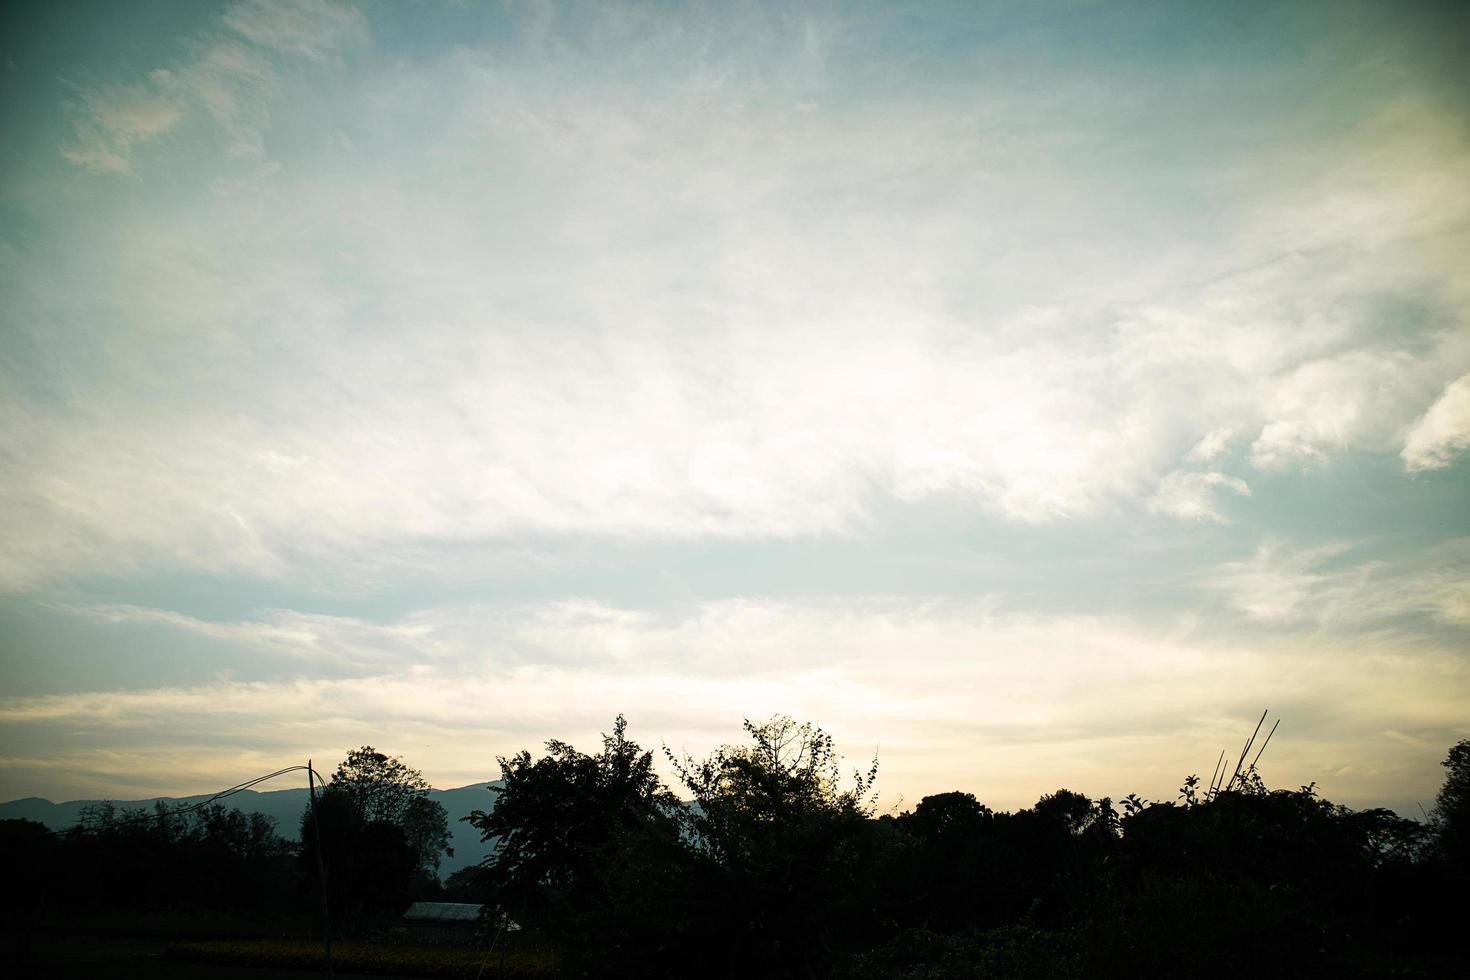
(93, 956)
(53, 957)
(185, 945)
(373, 958)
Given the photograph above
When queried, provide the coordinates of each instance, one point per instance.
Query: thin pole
(321, 867)
(1265, 743)
(1246, 750)
(1215, 777)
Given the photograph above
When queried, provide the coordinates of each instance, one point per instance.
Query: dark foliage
(370, 863)
(382, 789)
(777, 851)
(777, 870)
(381, 838)
(588, 852)
(211, 859)
(1452, 809)
(773, 865)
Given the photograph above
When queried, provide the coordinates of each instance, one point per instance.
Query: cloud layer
(1443, 434)
(1011, 705)
(366, 361)
(328, 327)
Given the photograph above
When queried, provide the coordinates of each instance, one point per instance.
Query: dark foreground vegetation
(768, 861)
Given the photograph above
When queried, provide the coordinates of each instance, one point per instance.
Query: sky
(1028, 393)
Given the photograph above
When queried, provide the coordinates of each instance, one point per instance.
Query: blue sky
(1033, 391)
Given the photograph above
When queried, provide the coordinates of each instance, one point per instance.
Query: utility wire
(240, 788)
(181, 811)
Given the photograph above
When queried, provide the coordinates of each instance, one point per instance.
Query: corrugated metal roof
(442, 912)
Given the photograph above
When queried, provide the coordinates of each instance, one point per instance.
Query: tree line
(770, 861)
(381, 840)
(767, 858)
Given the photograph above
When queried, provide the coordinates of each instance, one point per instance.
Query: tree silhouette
(587, 849)
(778, 839)
(379, 788)
(1452, 809)
(381, 836)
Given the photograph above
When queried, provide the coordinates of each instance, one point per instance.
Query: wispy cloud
(322, 641)
(235, 84)
(109, 121)
(806, 397)
(234, 81)
(685, 311)
(405, 301)
(1443, 433)
(1325, 585)
(1191, 495)
(954, 694)
(315, 29)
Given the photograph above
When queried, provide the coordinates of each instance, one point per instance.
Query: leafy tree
(28, 853)
(214, 857)
(555, 816)
(779, 839)
(949, 817)
(788, 772)
(370, 864)
(381, 836)
(953, 872)
(587, 849)
(1072, 813)
(384, 789)
(1452, 809)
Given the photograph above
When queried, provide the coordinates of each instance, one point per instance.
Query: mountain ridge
(284, 806)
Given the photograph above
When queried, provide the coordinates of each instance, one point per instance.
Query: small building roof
(442, 912)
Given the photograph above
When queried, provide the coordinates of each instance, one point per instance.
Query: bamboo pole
(1248, 742)
(1219, 771)
(1265, 743)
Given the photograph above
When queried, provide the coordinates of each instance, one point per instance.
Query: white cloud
(1277, 583)
(234, 81)
(314, 29)
(1322, 585)
(322, 641)
(1320, 409)
(1190, 495)
(236, 84)
(1210, 447)
(680, 275)
(613, 308)
(1391, 187)
(110, 121)
(1443, 433)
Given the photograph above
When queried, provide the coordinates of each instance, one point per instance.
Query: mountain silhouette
(284, 806)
